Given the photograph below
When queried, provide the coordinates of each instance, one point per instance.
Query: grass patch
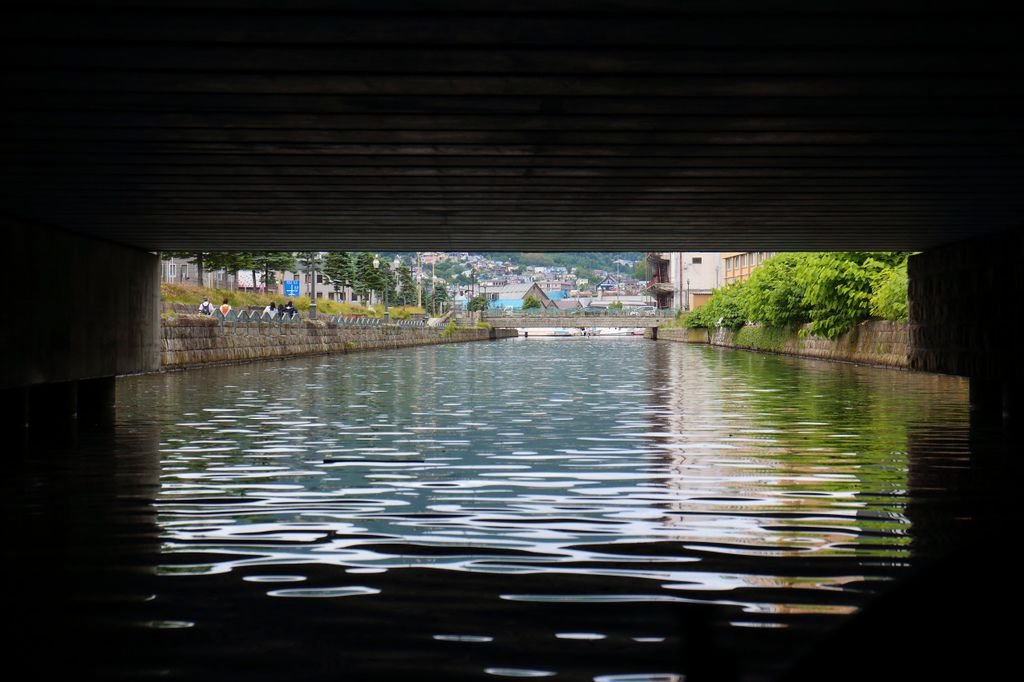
(192, 295)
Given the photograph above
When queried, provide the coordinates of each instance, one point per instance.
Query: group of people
(273, 310)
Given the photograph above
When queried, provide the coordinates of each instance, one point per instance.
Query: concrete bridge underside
(571, 125)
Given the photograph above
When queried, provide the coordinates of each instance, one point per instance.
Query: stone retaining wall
(678, 334)
(195, 340)
(874, 342)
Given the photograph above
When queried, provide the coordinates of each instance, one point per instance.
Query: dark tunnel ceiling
(502, 125)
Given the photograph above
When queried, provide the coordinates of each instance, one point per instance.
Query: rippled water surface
(571, 508)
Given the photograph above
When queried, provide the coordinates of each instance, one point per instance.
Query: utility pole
(312, 285)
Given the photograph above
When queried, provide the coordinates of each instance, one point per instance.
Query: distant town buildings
(512, 296)
(683, 279)
(738, 265)
(674, 280)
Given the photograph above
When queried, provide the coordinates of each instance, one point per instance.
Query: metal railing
(245, 317)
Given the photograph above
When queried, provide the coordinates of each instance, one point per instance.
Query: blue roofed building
(511, 296)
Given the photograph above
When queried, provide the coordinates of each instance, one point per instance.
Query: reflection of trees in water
(787, 457)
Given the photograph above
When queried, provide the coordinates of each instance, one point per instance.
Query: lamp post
(419, 281)
(376, 267)
(312, 285)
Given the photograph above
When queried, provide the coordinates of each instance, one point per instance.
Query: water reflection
(585, 508)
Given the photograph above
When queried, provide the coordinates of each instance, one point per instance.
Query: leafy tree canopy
(531, 302)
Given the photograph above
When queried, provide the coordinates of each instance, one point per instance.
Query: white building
(684, 279)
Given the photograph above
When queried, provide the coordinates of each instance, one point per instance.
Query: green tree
(197, 257)
(724, 309)
(438, 297)
(587, 274)
(339, 266)
(531, 302)
(889, 299)
(406, 286)
(388, 282)
(837, 290)
(310, 262)
(269, 262)
(367, 279)
(230, 262)
(478, 303)
(773, 295)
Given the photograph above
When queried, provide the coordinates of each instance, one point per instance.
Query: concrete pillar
(96, 403)
(964, 304)
(14, 415)
(92, 312)
(53, 413)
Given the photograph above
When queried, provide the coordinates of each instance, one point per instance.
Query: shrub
(889, 301)
(478, 303)
(449, 330)
(724, 309)
(531, 302)
(830, 291)
(774, 297)
(837, 290)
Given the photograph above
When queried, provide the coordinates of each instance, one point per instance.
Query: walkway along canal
(593, 509)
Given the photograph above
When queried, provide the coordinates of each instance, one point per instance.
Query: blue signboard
(291, 288)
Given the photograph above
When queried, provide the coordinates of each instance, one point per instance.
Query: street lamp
(376, 267)
(312, 285)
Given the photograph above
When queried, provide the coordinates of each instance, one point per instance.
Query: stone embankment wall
(874, 342)
(678, 334)
(195, 340)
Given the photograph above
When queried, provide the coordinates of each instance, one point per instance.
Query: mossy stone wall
(875, 342)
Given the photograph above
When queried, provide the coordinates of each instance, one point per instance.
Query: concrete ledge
(190, 341)
(679, 335)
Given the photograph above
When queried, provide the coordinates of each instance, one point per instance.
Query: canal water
(593, 509)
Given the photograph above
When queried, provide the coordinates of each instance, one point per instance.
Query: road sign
(291, 288)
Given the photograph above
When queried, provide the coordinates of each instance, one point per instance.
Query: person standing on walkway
(225, 308)
(206, 308)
